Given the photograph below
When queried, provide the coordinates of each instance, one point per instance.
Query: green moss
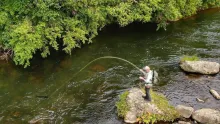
(169, 112)
(162, 103)
(121, 105)
(189, 58)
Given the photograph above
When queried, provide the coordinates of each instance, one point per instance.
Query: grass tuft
(122, 105)
(189, 58)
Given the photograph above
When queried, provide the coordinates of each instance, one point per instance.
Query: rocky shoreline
(142, 111)
(187, 114)
(204, 115)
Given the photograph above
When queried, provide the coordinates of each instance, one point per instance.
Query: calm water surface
(90, 96)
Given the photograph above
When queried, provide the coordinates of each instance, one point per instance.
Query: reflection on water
(90, 96)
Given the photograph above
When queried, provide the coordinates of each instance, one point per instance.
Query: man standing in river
(147, 79)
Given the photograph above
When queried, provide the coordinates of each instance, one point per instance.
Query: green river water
(90, 96)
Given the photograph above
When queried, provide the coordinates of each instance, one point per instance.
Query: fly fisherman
(147, 79)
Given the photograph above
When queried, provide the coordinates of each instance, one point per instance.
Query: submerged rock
(200, 100)
(185, 111)
(138, 106)
(207, 116)
(215, 94)
(203, 67)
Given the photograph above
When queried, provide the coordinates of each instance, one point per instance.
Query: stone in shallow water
(207, 116)
(185, 111)
(200, 100)
(215, 94)
(203, 67)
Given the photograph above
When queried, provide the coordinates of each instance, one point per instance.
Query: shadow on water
(90, 96)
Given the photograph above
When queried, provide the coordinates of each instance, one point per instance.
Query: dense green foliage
(30, 26)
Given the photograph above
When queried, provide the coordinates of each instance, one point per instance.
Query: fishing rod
(49, 96)
(104, 57)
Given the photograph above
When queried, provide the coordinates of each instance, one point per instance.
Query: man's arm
(143, 79)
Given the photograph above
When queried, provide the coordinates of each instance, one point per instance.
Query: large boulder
(185, 111)
(207, 116)
(203, 67)
(138, 106)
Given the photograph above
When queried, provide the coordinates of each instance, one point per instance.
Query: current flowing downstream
(88, 95)
(64, 84)
(104, 57)
(99, 58)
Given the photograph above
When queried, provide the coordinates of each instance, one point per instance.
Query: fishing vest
(153, 79)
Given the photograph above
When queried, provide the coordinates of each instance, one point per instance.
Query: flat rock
(183, 122)
(207, 116)
(203, 67)
(185, 111)
(138, 105)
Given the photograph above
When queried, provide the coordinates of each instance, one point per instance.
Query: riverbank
(207, 10)
(41, 26)
(137, 110)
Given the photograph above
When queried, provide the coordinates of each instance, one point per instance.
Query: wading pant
(147, 90)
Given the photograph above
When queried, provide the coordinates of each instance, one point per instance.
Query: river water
(50, 90)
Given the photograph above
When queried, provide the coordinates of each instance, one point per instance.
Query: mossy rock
(133, 108)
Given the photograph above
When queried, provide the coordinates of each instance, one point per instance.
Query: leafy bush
(30, 26)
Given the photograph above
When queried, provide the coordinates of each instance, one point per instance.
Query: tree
(30, 26)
